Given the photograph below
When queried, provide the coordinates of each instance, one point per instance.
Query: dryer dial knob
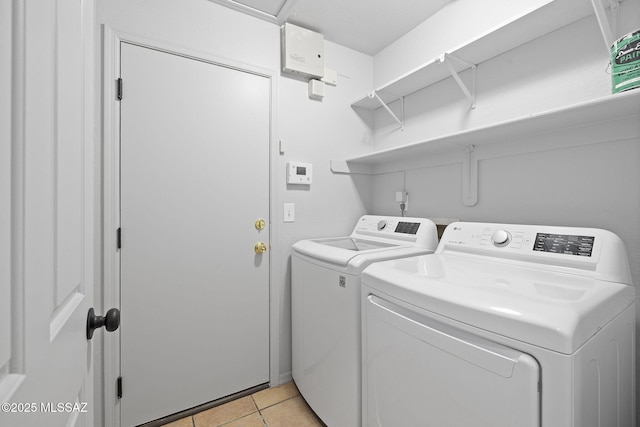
(382, 225)
(501, 238)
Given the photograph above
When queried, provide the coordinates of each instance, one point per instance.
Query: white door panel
(5, 188)
(45, 358)
(194, 180)
(69, 150)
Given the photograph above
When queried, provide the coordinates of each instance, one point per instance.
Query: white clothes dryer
(325, 300)
(505, 325)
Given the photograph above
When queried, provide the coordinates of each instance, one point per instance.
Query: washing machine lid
(354, 244)
(343, 250)
(554, 310)
(373, 238)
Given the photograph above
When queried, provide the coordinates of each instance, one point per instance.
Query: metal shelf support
(609, 29)
(374, 95)
(470, 177)
(470, 94)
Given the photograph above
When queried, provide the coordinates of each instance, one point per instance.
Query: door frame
(110, 289)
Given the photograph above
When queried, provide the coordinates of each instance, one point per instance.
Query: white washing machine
(505, 325)
(325, 300)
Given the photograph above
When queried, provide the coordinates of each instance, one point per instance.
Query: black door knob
(110, 321)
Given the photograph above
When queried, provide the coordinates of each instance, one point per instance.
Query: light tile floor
(280, 406)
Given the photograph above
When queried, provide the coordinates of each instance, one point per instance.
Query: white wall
(313, 131)
(316, 132)
(593, 185)
(196, 25)
(452, 26)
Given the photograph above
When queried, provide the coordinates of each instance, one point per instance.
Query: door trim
(110, 289)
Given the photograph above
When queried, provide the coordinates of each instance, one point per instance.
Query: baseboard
(284, 378)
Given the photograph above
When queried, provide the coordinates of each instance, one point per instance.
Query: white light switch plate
(289, 212)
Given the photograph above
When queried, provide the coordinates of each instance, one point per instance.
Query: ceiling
(364, 25)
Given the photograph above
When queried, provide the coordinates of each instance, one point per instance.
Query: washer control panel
(389, 224)
(420, 231)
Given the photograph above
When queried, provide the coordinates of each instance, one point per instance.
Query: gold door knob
(260, 248)
(260, 223)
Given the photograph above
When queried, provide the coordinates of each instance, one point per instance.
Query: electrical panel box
(302, 51)
(299, 173)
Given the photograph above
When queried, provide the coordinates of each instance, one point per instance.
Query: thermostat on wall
(299, 173)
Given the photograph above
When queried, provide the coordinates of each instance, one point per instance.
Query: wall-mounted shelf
(521, 29)
(545, 17)
(590, 112)
(601, 110)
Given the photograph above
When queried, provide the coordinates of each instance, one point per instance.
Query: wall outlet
(402, 197)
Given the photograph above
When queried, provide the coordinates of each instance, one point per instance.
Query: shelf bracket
(374, 95)
(609, 30)
(470, 94)
(469, 177)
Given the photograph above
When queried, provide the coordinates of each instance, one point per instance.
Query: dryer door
(419, 371)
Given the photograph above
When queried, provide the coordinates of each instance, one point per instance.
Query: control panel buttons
(501, 238)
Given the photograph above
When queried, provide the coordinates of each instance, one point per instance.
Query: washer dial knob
(501, 238)
(382, 224)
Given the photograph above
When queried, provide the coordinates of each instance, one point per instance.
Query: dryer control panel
(564, 244)
(593, 251)
(544, 242)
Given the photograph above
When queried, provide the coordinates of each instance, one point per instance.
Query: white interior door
(46, 221)
(194, 180)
